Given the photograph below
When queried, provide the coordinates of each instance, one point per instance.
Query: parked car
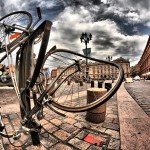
(148, 78)
(136, 78)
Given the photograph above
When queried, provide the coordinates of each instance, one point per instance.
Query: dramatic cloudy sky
(120, 28)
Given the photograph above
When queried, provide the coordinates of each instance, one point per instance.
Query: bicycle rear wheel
(69, 85)
(9, 25)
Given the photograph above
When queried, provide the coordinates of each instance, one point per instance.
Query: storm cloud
(119, 27)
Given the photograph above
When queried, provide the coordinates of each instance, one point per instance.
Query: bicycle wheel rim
(21, 19)
(86, 106)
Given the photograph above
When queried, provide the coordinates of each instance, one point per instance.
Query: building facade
(125, 63)
(101, 70)
(134, 71)
(144, 63)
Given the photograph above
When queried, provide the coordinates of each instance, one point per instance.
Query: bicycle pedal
(17, 136)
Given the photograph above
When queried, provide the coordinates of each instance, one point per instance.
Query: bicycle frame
(23, 64)
(26, 47)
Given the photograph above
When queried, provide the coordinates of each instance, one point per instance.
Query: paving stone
(113, 133)
(70, 115)
(56, 122)
(48, 117)
(41, 147)
(93, 147)
(111, 126)
(8, 127)
(70, 120)
(80, 118)
(17, 127)
(43, 122)
(79, 143)
(24, 137)
(100, 129)
(15, 121)
(86, 124)
(112, 116)
(64, 131)
(10, 147)
(5, 120)
(82, 134)
(67, 127)
(115, 112)
(114, 144)
(61, 146)
(62, 135)
(12, 116)
(116, 121)
(50, 127)
(1, 145)
(5, 142)
(108, 119)
(109, 111)
(44, 134)
(78, 124)
(48, 142)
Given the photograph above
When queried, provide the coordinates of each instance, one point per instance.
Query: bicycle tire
(25, 17)
(94, 104)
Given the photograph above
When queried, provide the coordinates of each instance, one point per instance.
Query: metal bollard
(96, 115)
(68, 82)
(81, 83)
(92, 83)
(100, 84)
(108, 86)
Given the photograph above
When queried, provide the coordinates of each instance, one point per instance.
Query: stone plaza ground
(72, 132)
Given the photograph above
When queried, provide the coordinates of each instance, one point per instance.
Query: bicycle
(29, 80)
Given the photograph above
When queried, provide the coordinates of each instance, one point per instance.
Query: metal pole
(86, 61)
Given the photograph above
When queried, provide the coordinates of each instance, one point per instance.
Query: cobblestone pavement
(140, 91)
(72, 132)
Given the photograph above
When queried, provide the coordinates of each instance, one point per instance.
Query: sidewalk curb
(134, 122)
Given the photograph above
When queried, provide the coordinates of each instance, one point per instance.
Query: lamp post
(109, 58)
(85, 38)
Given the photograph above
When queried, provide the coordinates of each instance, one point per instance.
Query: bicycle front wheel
(15, 25)
(69, 81)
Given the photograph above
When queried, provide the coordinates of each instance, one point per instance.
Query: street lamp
(109, 58)
(85, 38)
